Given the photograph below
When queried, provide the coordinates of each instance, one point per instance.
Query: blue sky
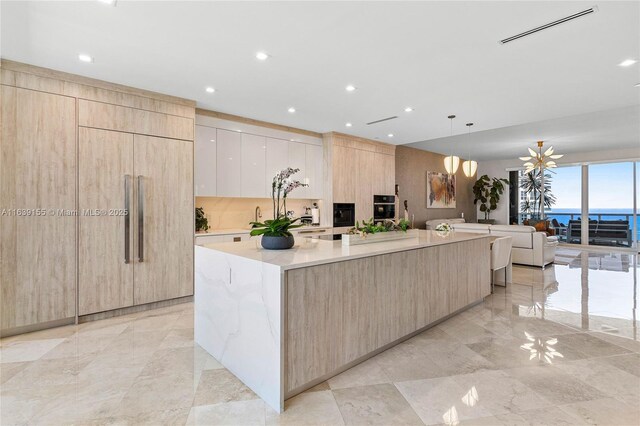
(610, 186)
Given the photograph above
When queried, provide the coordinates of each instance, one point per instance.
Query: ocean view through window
(610, 192)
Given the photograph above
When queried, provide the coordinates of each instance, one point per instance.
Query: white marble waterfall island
(284, 321)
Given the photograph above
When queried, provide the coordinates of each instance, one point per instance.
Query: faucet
(258, 213)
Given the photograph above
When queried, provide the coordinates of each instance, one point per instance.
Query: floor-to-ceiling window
(565, 213)
(611, 205)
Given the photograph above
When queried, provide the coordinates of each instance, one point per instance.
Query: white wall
(500, 169)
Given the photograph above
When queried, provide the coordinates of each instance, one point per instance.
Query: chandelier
(540, 160)
(451, 162)
(469, 167)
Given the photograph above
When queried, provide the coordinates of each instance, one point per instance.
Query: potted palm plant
(276, 234)
(488, 191)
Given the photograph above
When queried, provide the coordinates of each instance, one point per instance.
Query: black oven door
(344, 214)
(384, 211)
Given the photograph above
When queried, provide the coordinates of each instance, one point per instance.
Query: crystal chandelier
(451, 162)
(469, 167)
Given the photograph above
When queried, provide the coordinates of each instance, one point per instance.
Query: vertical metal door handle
(140, 220)
(127, 218)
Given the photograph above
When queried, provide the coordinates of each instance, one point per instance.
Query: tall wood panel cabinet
(138, 249)
(96, 198)
(105, 241)
(360, 169)
(163, 219)
(37, 199)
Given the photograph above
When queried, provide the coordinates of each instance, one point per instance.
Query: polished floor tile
(375, 405)
(559, 346)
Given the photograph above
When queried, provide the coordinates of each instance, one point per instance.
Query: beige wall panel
(411, 176)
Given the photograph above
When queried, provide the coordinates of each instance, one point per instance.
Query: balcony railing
(563, 220)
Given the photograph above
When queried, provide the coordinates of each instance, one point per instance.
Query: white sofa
(431, 224)
(529, 246)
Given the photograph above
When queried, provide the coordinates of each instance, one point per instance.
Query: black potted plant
(488, 191)
(275, 232)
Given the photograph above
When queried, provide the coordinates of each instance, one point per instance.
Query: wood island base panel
(283, 321)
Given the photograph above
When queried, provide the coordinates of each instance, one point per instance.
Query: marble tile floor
(557, 347)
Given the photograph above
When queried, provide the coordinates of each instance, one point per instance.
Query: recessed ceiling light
(109, 2)
(390, 135)
(350, 88)
(212, 140)
(261, 56)
(83, 57)
(210, 90)
(637, 85)
(627, 63)
(408, 109)
(348, 124)
(291, 110)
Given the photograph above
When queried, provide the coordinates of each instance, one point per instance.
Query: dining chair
(500, 255)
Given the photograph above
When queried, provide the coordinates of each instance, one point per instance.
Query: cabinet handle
(315, 231)
(127, 218)
(140, 220)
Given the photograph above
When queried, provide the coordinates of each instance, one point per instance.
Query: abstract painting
(441, 190)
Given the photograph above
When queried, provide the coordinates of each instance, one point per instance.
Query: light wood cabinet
(205, 158)
(344, 174)
(252, 160)
(229, 171)
(114, 117)
(361, 169)
(339, 313)
(105, 240)
(164, 219)
(365, 171)
(67, 144)
(151, 259)
(37, 171)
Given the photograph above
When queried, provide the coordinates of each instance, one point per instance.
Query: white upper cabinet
(229, 171)
(277, 159)
(253, 162)
(205, 162)
(241, 162)
(297, 160)
(313, 171)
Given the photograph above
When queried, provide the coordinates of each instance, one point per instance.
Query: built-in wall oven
(344, 214)
(384, 207)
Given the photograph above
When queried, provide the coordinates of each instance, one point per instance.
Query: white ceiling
(440, 58)
(596, 131)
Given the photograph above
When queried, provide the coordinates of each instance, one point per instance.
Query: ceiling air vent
(382, 119)
(550, 24)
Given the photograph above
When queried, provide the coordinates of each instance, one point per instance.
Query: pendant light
(469, 167)
(451, 162)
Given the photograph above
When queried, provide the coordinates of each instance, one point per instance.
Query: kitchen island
(284, 321)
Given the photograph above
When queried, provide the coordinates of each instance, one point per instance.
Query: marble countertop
(313, 251)
(246, 231)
